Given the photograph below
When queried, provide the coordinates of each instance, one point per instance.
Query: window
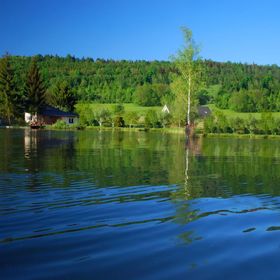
(71, 120)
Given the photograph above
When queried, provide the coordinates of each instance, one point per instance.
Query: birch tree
(188, 64)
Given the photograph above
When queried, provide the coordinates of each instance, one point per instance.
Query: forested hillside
(104, 81)
(241, 87)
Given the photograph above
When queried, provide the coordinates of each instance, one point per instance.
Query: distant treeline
(241, 87)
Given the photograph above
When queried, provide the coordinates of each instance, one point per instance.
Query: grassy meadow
(128, 107)
(232, 114)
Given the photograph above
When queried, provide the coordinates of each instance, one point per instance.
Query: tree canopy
(67, 80)
(35, 89)
(186, 84)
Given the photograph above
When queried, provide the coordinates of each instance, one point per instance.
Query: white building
(165, 109)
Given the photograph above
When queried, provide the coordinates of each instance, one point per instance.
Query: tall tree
(35, 89)
(179, 108)
(9, 99)
(62, 97)
(188, 63)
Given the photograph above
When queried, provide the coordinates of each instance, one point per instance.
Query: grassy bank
(128, 107)
(232, 114)
(174, 130)
(236, 135)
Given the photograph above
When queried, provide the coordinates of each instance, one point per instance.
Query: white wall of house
(27, 117)
(70, 120)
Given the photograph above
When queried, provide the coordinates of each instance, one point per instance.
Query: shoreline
(162, 130)
(236, 135)
(126, 129)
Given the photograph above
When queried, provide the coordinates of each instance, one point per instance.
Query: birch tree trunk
(189, 102)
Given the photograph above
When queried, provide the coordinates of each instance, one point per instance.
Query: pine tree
(62, 97)
(9, 99)
(35, 89)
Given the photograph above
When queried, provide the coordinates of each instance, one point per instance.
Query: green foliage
(189, 66)
(179, 105)
(62, 97)
(103, 116)
(131, 118)
(203, 97)
(60, 124)
(210, 125)
(10, 100)
(222, 99)
(267, 124)
(220, 123)
(104, 81)
(165, 119)
(227, 85)
(35, 89)
(212, 90)
(133, 115)
(238, 125)
(151, 95)
(244, 88)
(118, 121)
(118, 109)
(86, 114)
(252, 125)
(151, 119)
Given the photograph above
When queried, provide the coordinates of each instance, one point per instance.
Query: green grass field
(128, 107)
(232, 114)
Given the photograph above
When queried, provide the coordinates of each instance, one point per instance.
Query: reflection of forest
(216, 166)
(102, 158)
(224, 168)
(136, 158)
(232, 166)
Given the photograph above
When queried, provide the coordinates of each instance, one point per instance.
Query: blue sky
(228, 30)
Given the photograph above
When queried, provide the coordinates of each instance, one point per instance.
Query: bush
(103, 116)
(118, 121)
(60, 124)
(165, 119)
(151, 119)
(219, 123)
(131, 118)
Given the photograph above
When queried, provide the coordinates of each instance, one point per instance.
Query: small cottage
(49, 115)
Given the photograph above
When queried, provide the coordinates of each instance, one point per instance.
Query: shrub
(118, 121)
(151, 119)
(60, 124)
(131, 118)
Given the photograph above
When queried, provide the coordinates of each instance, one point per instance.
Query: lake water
(136, 205)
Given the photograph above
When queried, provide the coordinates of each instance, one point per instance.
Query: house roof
(204, 111)
(165, 109)
(54, 112)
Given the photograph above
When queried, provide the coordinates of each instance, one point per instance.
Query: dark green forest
(67, 80)
(241, 87)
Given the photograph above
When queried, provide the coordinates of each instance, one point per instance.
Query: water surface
(136, 205)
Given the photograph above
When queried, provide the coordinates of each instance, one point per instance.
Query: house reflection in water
(30, 142)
